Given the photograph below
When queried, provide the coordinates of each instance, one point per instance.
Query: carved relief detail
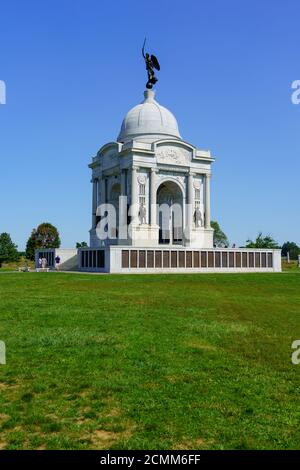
(171, 155)
(142, 179)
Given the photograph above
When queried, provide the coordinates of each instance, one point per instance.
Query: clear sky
(73, 68)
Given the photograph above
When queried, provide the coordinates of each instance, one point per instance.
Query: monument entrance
(170, 213)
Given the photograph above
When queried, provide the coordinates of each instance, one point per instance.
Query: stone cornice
(136, 151)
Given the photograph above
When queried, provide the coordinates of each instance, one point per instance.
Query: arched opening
(170, 213)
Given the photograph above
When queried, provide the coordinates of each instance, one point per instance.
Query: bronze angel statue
(151, 64)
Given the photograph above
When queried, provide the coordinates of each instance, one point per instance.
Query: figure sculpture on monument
(142, 214)
(198, 217)
(151, 64)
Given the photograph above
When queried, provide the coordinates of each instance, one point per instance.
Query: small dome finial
(149, 95)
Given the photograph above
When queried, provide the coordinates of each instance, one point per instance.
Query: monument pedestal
(144, 235)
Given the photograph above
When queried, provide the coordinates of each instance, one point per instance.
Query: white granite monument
(154, 169)
(151, 202)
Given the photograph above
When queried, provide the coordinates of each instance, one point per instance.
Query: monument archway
(170, 213)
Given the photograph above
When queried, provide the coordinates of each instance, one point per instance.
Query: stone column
(190, 199)
(94, 202)
(134, 195)
(207, 200)
(153, 197)
(123, 208)
(102, 190)
(99, 191)
(123, 183)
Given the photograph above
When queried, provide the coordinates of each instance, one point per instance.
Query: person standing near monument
(57, 262)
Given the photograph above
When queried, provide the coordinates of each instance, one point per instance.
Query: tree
(44, 236)
(31, 245)
(262, 242)
(8, 250)
(81, 244)
(292, 248)
(220, 239)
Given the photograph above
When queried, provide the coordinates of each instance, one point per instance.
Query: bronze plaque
(166, 259)
(224, 259)
(181, 255)
(203, 259)
(270, 260)
(158, 260)
(231, 259)
(238, 259)
(150, 259)
(263, 260)
(251, 260)
(196, 259)
(210, 257)
(257, 260)
(189, 261)
(244, 260)
(173, 259)
(217, 259)
(133, 258)
(142, 258)
(100, 259)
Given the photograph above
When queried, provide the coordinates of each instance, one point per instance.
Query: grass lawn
(149, 361)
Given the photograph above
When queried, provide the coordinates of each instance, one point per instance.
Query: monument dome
(149, 121)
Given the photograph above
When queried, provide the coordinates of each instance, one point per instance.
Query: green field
(149, 361)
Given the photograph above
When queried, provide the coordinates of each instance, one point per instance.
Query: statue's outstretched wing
(155, 62)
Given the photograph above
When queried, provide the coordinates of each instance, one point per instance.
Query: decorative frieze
(172, 155)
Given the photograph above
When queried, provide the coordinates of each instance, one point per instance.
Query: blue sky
(74, 68)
